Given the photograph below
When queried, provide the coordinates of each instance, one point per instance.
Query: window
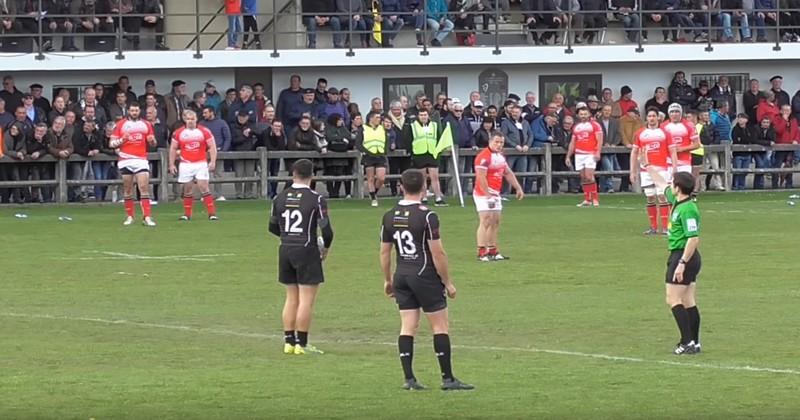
(739, 82)
(393, 89)
(575, 88)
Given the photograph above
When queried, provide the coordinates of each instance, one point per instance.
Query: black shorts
(692, 267)
(424, 161)
(414, 292)
(374, 161)
(127, 171)
(300, 265)
(697, 160)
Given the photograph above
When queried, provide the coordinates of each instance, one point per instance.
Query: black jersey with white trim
(297, 212)
(409, 226)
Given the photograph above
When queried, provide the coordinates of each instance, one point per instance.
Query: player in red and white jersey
(490, 170)
(654, 142)
(194, 143)
(587, 140)
(684, 138)
(131, 136)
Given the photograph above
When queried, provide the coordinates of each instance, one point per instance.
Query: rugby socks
(441, 345)
(405, 344)
(302, 338)
(208, 200)
(682, 319)
(130, 209)
(652, 214)
(587, 192)
(373, 195)
(145, 203)
(481, 251)
(491, 251)
(289, 337)
(187, 205)
(593, 192)
(694, 322)
(663, 211)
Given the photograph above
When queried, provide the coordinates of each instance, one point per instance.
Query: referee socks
(682, 319)
(441, 345)
(289, 338)
(405, 344)
(694, 323)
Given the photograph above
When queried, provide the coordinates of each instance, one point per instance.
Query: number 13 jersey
(409, 226)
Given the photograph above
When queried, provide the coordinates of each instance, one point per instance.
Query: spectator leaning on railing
(765, 137)
(243, 139)
(222, 137)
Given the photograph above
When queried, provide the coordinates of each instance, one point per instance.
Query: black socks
(694, 323)
(682, 319)
(289, 338)
(441, 345)
(302, 338)
(405, 344)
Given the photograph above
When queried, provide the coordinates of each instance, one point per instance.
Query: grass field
(101, 321)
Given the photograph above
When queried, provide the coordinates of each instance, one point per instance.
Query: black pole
(497, 30)
(119, 55)
(710, 48)
(197, 55)
(350, 52)
(275, 53)
(777, 46)
(40, 19)
(639, 48)
(568, 34)
(424, 31)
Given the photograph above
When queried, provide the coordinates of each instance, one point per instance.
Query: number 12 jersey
(409, 226)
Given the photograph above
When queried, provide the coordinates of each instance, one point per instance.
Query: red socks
(187, 206)
(664, 211)
(590, 192)
(491, 251)
(130, 210)
(145, 203)
(481, 251)
(652, 214)
(208, 200)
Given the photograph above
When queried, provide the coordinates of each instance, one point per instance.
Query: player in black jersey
(296, 213)
(421, 278)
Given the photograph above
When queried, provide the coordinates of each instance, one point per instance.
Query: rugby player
(587, 140)
(684, 262)
(490, 170)
(421, 278)
(297, 212)
(131, 136)
(193, 142)
(374, 148)
(683, 137)
(655, 142)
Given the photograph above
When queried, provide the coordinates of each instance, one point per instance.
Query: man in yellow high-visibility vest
(373, 146)
(423, 135)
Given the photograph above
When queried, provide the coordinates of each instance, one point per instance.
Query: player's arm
(151, 135)
(274, 224)
(481, 178)
(325, 227)
(508, 174)
(438, 255)
(386, 260)
(634, 173)
(660, 182)
(211, 145)
(600, 139)
(570, 152)
(173, 156)
(117, 137)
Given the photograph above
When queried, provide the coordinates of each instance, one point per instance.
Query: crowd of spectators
(323, 118)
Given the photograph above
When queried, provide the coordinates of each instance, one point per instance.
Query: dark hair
(413, 181)
(496, 133)
(210, 108)
(333, 119)
(323, 80)
(229, 91)
(684, 181)
(652, 109)
(134, 104)
(303, 169)
(258, 84)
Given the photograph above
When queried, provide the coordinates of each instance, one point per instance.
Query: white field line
(231, 333)
(109, 255)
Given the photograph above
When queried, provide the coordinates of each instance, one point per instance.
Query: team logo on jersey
(691, 225)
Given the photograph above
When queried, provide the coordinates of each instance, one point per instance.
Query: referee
(296, 213)
(421, 278)
(373, 146)
(684, 261)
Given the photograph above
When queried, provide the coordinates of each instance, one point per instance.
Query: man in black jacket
(594, 18)
(275, 140)
(243, 139)
(742, 134)
(154, 18)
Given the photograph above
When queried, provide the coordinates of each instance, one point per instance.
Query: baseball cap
(592, 98)
(580, 105)
(176, 83)
(210, 83)
(675, 107)
(243, 113)
(477, 104)
(36, 86)
(149, 83)
(308, 90)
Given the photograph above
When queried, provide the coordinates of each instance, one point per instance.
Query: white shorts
(133, 166)
(649, 187)
(684, 168)
(189, 171)
(583, 161)
(488, 203)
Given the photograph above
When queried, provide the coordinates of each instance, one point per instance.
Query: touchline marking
(231, 333)
(109, 255)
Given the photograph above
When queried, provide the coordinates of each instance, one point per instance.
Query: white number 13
(405, 242)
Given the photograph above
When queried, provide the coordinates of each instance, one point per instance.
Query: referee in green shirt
(684, 261)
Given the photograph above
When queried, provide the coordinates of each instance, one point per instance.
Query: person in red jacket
(786, 132)
(767, 108)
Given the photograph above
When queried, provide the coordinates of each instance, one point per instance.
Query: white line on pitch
(109, 255)
(217, 331)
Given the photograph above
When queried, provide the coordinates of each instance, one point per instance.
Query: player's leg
(202, 178)
(440, 325)
(370, 170)
(436, 185)
(289, 317)
(481, 234)
(592, 182)
(690, 303)
(663, 212)
(676, 297)
(380, 178)
(127, 196)
(305, 310)
(188, 199)
(409, 322)
(143, 182)
(652, 209)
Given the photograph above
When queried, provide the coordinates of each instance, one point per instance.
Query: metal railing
(493, 28)
(544, 176)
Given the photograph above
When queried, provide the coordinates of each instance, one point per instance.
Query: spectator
(391, 20)
(154, 18)
(344, 96)
(289, 97)
(88, 144)
(398, 164)
(95, 17)
(594, 106)
(16, 140)
(250, 23)
(8, 22)
(233, 10)
(786, 132)
(790, 20)
(130, 23)
(781, 96)
(438, 21)
(766, 137)
(40, 101)
(750, 101)
(176, 102)
(332, 106)
(572, 18)
(376, 105)
(306, 107)
(743, 134)
(767, 108)
(723, 91)
(321, 92)
(61, 25)
(34, 113)
(463, 13)
(611, 137)
(708, 137)
(119, 109)
(542, 129)
(245, 103)
(59, 109)
(222, 138)
(243, 139)
(318, 13)
(349, 14)
(160, 131)
(681, 92)
(35, 148)
(415, 14)
(213, 98)
(519, 137)
(269, 114)
(10, 93)
(765, 14)
(732, 13)
(529, 111)
(261, 100)
(563, 136)
(722, 122)
(275, 141)
(100, 91)
(112, 172)
(607, 97)
(659, 101)
(483, 134)
(150, 89)
(678, 17)
(59, 145)
(33, 11)
(21, 116)
(150, 101)
(5, 117)
(198, 102)
(625, 11)
(629, 124)
(594, 18)
(703, 100)
(225, 105)
(537, 15)
(624, 103)
(338, 136)
(462, 136)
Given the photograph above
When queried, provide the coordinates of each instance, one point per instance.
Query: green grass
(581, 280)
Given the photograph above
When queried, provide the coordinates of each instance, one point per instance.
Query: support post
(264, 162)
(61, 177)
(163, 170)
(548, 170)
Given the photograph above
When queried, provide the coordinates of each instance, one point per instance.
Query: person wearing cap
(306, 107)
(680, 91)
(245, 103)
(476, 115)
(594, 106)
(781, 97)
(176, 102)
(333, 106)
(243, 139)
(34, 113)
(38, 100)
(213, 97)
(150, 88)
(683, 139)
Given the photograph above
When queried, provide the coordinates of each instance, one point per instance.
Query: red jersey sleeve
(207, 136)
(176, 136)
(691, 131)
(637, 142)
(483, 159)
(117, 134)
